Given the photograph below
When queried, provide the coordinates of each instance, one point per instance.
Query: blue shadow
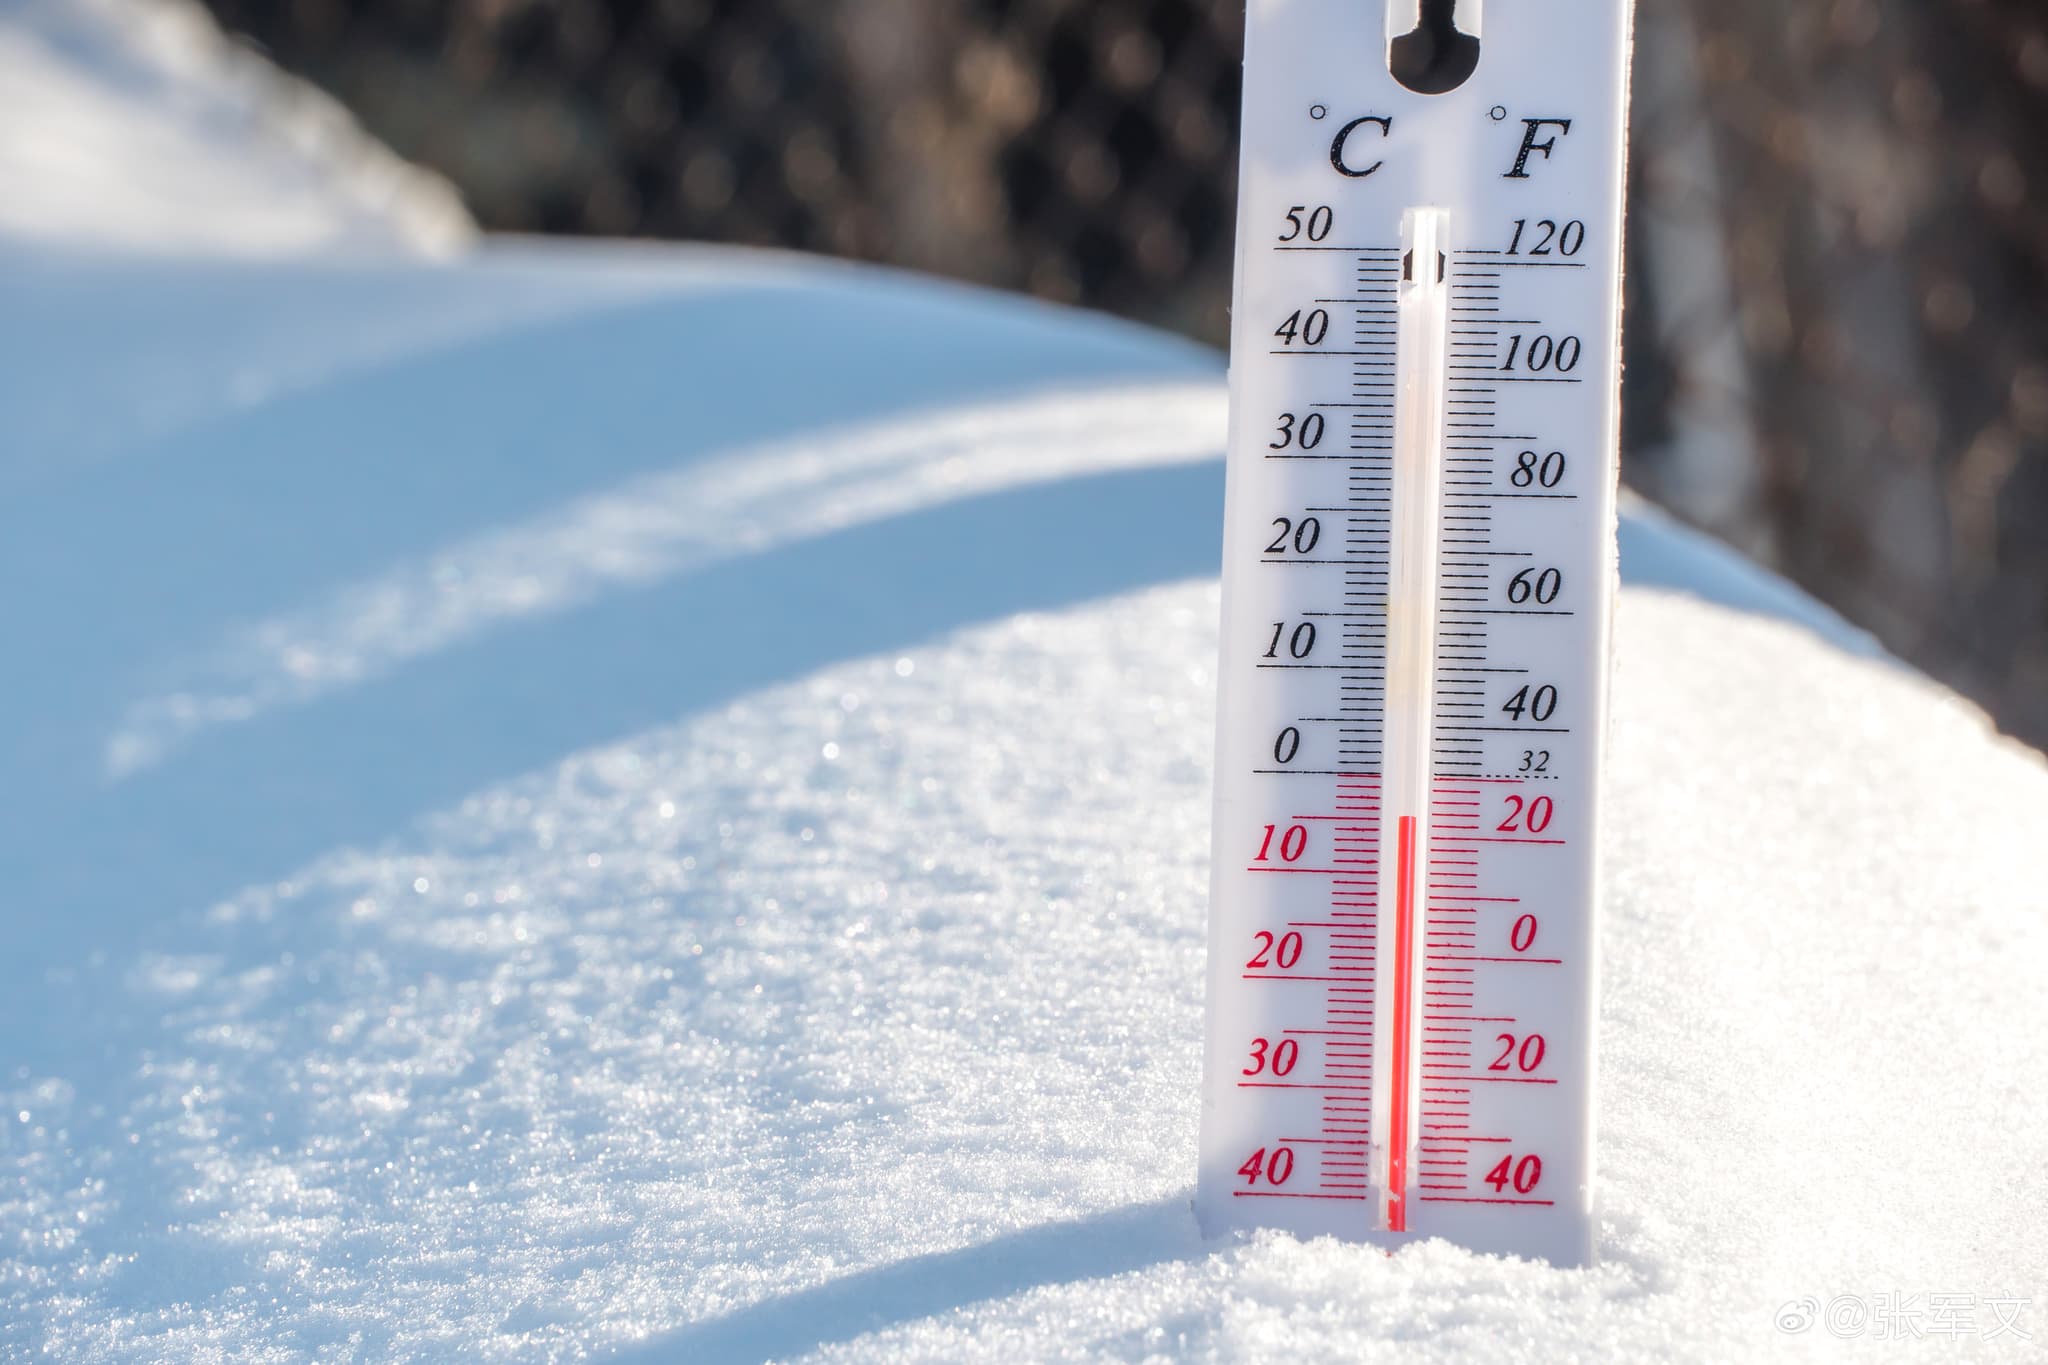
(256, 800)
(786, 1325)
(122, 552)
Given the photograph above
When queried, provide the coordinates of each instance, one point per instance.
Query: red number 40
(1522, 1174)
(1275, 1168)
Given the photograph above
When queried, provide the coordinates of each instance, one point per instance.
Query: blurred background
(1837, 358)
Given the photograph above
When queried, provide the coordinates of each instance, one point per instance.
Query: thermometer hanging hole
(1435, 57)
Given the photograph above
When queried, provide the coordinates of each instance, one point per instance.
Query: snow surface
(135, 124)
(667, 821)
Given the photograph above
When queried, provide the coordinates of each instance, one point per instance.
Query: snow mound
(577, 888)
(133, 124)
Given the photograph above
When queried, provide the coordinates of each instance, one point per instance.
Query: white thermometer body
(1419, 564)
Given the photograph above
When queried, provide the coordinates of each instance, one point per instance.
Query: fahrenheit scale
(1419, 561)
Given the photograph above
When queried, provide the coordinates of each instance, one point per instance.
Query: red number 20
(1534, 816)
(1528, 1055)
(1285, 950)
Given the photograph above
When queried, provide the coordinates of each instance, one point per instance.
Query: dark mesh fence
(1081, 151)
(1837, 357)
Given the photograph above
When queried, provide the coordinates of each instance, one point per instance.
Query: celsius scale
(1419, 566)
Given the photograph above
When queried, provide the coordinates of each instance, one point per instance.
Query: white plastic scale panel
(1419, 562)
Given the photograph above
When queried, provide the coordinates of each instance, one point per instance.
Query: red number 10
(1292, 844)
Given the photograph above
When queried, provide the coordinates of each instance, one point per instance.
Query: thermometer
(1419, 565)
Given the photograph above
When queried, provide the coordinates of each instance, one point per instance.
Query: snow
(750, 501)
(664, 859)
(134, 124)
(651, 805)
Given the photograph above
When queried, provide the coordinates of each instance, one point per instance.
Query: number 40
(1524, 1174)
